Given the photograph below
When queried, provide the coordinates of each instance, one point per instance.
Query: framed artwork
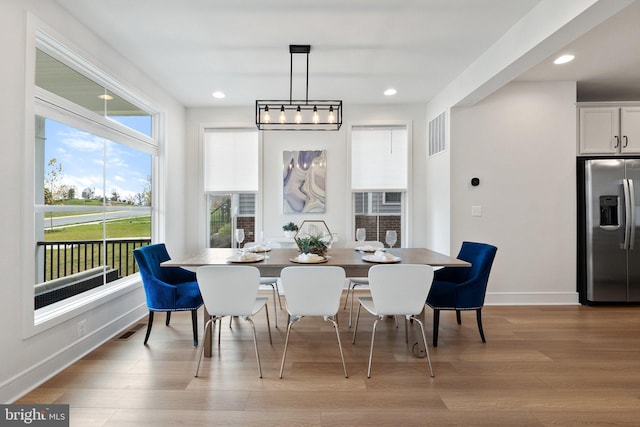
(303, 183)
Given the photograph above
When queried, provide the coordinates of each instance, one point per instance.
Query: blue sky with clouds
(83, 157)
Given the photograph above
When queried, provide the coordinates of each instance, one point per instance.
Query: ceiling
(607, 63)
(359, 48)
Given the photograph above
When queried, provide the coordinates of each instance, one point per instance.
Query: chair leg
(479, 319)
(215, 319)
(436, 323)
(353, 294)
(335, 325)
(266, 312)
(426, 347)
(168, 318)
(373, 337)
(255, 343)
(194, 323)
(458, 318)
(286, 343)
(355, 329)
(207, 328)
(149, 324)
(275, 307)
(346, 298)
(278, 294)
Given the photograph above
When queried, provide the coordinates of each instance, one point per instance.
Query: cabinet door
(630, 129)
(599, 130)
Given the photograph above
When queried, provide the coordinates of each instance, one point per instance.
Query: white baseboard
(531, 298)
(29, 379)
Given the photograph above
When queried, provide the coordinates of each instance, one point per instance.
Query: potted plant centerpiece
(289, 230)
(312, 245)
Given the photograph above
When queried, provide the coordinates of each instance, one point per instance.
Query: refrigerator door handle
(631, 219)
(627, 214)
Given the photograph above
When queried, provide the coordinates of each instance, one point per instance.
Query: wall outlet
(82, 327)
(476, 210)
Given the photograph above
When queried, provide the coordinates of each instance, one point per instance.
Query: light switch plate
(476, 210)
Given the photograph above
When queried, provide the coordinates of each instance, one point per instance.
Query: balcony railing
(72, 267)
(63, 258)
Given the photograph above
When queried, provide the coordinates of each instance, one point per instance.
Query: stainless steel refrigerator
(611, 238)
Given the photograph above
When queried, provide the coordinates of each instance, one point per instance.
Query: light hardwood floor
(541, 366)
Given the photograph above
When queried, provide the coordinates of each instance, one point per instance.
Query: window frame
(406, 207)
(203, 195)
(40, 102)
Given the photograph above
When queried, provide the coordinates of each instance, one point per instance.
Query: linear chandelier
(293, 114)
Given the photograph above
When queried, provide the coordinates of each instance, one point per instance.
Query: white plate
(368, 248)
(246, 258)
(371, 258)
(258, 249)
(309, 261)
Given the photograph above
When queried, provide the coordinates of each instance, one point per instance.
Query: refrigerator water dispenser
(609, 218)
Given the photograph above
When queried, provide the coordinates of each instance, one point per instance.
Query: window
(231, 171)
(379, 180)
(375, 216)
(94, 152)
(391, 198)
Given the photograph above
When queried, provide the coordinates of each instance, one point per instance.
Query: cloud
(81, 141)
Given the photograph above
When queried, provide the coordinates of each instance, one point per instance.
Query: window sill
(60, 312)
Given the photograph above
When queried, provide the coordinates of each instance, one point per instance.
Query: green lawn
(120, 228)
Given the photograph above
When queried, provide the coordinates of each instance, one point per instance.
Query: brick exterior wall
(248, 223)
(377, 227)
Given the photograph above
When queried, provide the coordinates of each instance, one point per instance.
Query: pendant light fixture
(293, 114)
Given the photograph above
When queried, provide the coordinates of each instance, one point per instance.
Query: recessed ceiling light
(105, 97)
(390, 92)
(218, 95)
(563, 59)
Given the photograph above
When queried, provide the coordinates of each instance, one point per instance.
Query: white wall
(30, 360)
(337, 166)
(548, 27)
(520, 142)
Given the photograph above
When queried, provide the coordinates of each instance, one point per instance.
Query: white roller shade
(379, 158)
(231, 161)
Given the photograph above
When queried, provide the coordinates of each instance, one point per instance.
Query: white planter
(289, 234)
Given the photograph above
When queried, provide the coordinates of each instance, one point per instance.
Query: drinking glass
(391, 238)
(239, 236)
(361, 235)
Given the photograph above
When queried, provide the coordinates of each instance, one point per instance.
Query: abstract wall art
(304, 177)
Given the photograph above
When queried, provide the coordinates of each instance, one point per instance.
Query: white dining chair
(231, 290)
(270, 281)
(312, 291)
(398, 289)
(357, 281)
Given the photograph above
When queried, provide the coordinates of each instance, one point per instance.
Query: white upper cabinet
(609, 130)
(630, 130)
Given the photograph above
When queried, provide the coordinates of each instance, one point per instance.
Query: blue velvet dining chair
(167, 289)
(462, 288)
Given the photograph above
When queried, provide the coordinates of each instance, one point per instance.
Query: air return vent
(437, 135)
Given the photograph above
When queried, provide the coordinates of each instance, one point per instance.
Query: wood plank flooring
(541, 366)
